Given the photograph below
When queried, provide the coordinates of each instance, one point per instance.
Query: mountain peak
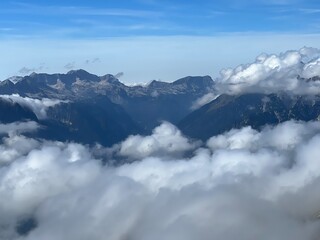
(194, 80)
(83, 75)
(7, 83)
(77, 71)
(14, 79)
(110, 78)
(33, 74)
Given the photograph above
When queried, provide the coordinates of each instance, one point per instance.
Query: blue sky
(110, 18)
(150, 39)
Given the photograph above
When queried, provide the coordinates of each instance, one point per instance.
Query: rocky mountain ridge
(101, 108)
(104, 110)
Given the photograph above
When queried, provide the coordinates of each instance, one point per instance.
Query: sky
(150, 39)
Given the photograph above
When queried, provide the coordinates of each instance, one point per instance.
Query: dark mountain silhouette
(13, 112)
(256, 110)
(102, 109)
(88, 121)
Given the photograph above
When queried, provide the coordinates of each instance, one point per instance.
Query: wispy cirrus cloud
(268, 2)
(309, 10)
(78, 22)
(280, 2)
(155, 18)
(27, 8)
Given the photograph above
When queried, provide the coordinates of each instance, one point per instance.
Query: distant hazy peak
(78, 71)
(195, 80)
(83, 75)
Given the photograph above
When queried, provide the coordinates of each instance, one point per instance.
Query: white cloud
(18, 127)
(16, 145)
(204, 100)
(283, 137)
(259, 184)
(38, 106)
(166, 139)
(274, 73)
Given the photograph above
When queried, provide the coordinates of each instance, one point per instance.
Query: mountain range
(252, 109)
(101, 109)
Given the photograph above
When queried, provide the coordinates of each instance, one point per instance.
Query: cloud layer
(38, 106)
(243, 184)
(291, 71)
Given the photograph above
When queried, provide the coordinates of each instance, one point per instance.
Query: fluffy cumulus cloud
(165, 140)
(293, 71)
(244, 184)
(38, 106)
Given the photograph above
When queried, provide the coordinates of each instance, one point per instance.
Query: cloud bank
(38, 106)
(243, 184)
(293, 71)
